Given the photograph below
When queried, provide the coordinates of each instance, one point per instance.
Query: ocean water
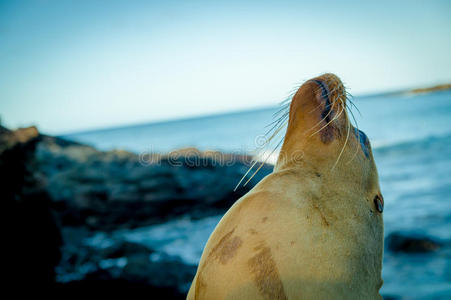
(411, 139)
(386, 121)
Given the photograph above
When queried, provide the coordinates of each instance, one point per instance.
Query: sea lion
(313, 228)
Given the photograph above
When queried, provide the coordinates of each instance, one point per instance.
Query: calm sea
(411, 138)
(386, 121)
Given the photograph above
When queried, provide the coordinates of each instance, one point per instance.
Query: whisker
(353, 117)
(317, 124)
(351, 101)
(277, 131)
(334, 118)
(354, 155)
(244, 176)
(261, 165)
(319, 105)
(357, 144)
(282, 109)
(276, 123)
(277, 126)
(344, 146)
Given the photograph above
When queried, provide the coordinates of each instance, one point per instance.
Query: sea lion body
(310, 230)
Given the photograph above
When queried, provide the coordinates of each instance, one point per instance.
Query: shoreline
(104, 220)
(71, 192)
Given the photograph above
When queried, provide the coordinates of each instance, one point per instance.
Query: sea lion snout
(331, 97)
(320, 127)
(320, 104)
(318, 121)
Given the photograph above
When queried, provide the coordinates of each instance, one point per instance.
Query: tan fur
(309, 230)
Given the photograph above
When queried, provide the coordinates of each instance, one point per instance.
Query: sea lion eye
(379, 203)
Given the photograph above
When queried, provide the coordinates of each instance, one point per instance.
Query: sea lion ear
(379, 203)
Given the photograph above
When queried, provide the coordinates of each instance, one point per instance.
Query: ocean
(411, 140)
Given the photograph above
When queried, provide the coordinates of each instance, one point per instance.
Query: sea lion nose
(325, 114)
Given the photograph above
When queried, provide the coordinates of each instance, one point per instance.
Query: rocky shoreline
(71, 191)
(63, 195)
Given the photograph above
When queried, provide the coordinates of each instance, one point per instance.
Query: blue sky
(75, 65)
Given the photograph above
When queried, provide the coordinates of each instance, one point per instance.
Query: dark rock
(126, 249)
(137, 269)
(59, 193)
(33, 235)
(117, 189)
(164, 273)
(399, 242)
(113, 288)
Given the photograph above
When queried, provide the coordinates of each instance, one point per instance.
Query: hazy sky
(72, 65)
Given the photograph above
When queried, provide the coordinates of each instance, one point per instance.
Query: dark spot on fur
(327, 134)
(318, 174)
(265, 274)
(253, 231)
(292, 243)
(226, 248)
(264, 219)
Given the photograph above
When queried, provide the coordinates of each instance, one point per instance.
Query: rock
(33, 234)
(112, 288)
(125, 263)
(126, 249)
(399, 242)
(8, 138)
(170, 273)
(61, 191)
(119, 189)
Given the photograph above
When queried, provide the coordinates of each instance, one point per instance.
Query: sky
(67, 66)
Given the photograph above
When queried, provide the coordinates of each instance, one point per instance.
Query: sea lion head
(321, 139)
